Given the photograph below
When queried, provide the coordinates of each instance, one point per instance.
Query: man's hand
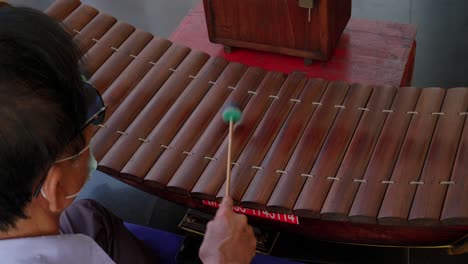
(228, 238)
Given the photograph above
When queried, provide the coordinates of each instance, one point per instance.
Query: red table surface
(369, 52)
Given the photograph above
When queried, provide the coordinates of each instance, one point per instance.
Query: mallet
(231, 115)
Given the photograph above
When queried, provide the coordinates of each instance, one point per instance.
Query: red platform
(369, 52)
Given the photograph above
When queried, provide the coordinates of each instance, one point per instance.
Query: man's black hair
(41, 104)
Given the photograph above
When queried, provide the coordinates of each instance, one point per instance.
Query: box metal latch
(309, 4)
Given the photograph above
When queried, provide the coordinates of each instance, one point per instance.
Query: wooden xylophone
(353, 163)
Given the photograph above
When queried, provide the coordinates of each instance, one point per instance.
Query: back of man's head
(41, 104)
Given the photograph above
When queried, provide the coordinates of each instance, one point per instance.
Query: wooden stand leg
(227, 49)
(308, 62)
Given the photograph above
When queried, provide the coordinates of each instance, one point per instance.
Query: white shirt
(70, 249)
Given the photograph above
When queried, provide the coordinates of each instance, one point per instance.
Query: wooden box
(280, 26)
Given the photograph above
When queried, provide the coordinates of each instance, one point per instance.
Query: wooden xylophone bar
(308, 147)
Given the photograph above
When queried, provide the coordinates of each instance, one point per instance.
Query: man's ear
(53, 189)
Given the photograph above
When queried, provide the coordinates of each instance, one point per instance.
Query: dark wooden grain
(278, 26)
(455, 210)
(60, 9)
(117, 63)
(95, 29)
(145, 109)
(192, 167)
(173, 106)
(101, 51)
(211, 105)
(263, 136)
(429, 198)
(289, 185)
(144, 80)
(133, 74)
(346, 232)
(264, 181)
(212, 178)
(369, 196)
(354, 164)
(78, 19)
(397, 201)
(315, 189)
(272, 26)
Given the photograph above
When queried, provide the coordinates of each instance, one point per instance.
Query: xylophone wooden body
(356, 163)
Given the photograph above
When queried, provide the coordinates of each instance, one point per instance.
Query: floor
(440, 61)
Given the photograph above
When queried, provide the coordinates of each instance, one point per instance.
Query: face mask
(92, 166)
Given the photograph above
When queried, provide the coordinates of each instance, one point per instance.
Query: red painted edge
(284, 218)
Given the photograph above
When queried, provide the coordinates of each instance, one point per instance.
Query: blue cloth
(163, 244)
(166, 245)
(263, 259)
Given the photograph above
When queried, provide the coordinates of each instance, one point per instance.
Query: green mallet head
(232, 113)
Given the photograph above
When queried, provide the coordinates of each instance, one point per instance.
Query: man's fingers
(225, 208)
(241, 219)
(253, 243)
(210, 224)
(252, 234)
(227, 202)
